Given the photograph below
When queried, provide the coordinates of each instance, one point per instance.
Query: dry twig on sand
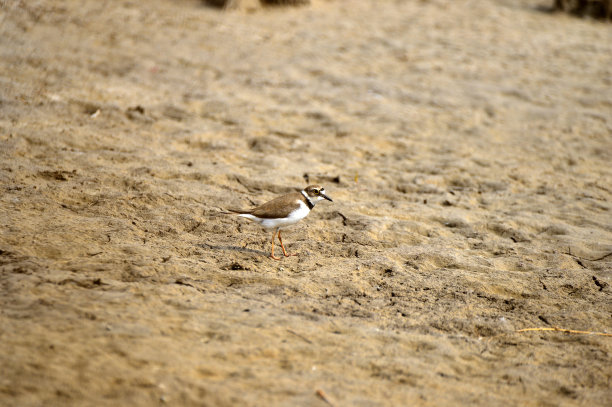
(586, 8)
(234, 4)
(569, 331)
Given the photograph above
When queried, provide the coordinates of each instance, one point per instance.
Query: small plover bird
(284, 211)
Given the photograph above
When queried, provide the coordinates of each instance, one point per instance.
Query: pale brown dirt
(468, 149)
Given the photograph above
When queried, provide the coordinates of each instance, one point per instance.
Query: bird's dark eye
(316, 191)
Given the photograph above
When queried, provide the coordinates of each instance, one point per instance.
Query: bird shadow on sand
(233, 248)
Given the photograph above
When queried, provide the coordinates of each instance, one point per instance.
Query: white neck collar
(309, 202)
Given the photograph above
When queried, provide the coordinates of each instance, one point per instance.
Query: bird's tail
(234, 212)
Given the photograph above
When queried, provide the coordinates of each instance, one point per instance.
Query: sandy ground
(468, 149)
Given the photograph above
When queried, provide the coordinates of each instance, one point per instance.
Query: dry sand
(468, 149)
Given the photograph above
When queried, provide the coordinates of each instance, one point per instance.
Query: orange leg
(283, 247)
(272, 256)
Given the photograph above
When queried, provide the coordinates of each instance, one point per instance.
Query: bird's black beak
(326, 197)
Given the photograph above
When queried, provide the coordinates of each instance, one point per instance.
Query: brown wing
(279, 207)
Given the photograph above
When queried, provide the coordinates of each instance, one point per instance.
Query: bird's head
(316, 193)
